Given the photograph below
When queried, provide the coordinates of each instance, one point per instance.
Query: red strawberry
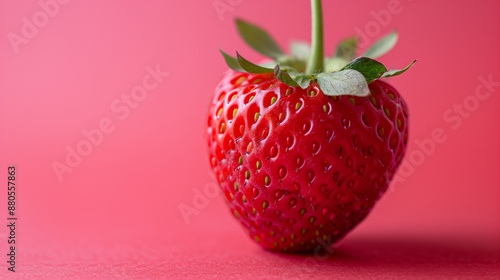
(302, 156)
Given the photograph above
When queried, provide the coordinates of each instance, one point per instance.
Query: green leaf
(303, 80)
(382, 46)
(250, 67)
(347, 49)
(258, 39)
(270, 64)
(283, 76)
(292, 62)
(300, 50)
(346, 82)
(333, 64)
(231, 62)
(392, 73)
(371, 69)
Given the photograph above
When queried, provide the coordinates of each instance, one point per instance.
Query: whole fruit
(302, 155)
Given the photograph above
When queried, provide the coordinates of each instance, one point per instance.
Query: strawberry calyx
(340, 74)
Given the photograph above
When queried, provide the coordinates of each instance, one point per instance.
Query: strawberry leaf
(259, 39)
(231, 62)
(250, 67)
(347, 49)
(392, 73)
(382, 46)
(303, 80)
(292, 62)
(284, 76)
(334, 64)
(300, 50)
(371, 69)
(346, 82)
(270, 64)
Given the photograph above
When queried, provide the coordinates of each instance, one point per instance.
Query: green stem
(315, 64)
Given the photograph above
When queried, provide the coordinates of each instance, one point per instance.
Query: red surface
(116, 215)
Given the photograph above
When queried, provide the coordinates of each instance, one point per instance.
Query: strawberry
(303, 147)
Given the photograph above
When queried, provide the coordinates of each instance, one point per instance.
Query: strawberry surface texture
(297, 166)
(304, 145)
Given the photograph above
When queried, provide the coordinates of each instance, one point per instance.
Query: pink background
(117, 213)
